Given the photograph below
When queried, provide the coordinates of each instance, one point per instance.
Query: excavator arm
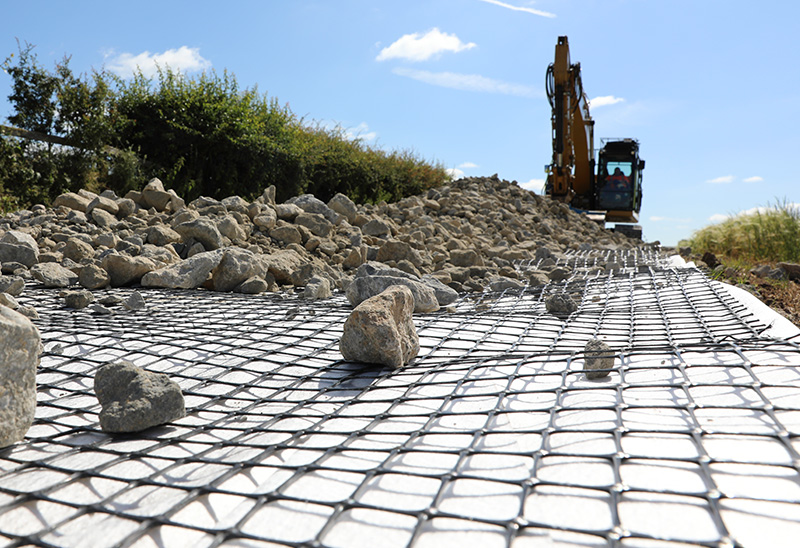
(571, 172)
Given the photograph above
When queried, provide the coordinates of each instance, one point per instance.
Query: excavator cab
(618, 184)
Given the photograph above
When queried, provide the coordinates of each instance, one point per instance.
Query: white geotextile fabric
(516, 446)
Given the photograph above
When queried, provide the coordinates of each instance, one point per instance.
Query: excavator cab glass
(616, 183)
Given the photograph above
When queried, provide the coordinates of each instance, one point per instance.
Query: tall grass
(770, 234)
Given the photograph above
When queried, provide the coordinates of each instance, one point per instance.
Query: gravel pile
(391, 260)
(462, 237)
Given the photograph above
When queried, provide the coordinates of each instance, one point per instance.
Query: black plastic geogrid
(492, 437)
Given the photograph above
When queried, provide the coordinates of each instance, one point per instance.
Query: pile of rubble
(465, 236)
(391, 260)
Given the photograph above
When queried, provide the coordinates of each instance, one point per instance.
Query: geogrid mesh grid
(492, 437)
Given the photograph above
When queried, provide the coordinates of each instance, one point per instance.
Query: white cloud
(519, 8)
(468, 165)
(755, 179)
(183, 59)
(468, 82)
(605, 100)
(725, 179)
(659, 219)
(790, 206)
(534, 185)
(454, 173)
(421, 47)
(361, 132)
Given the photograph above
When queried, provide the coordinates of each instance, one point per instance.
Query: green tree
(210, 137)
(78, 110)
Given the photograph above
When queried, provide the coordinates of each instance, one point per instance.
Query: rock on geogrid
(599, 359)
(381, 330)
(134, 399)
(20, 344)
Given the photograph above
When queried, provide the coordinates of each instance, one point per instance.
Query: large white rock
(188, 274)
(20, 345)
(18, 247)
(381, 330)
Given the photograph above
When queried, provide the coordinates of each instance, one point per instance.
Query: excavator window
(616, 185)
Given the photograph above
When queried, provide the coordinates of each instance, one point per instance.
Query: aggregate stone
(100, 309)
(154, 195)
(559, 274)
(235, 266)
(311, 204)
(253, 286)
(560, 304)
(377, 228)
(134, 399)
(364, 287)
(282, 264)
(161, 235)
(78, 250)
(18, 247)
(395, 250)
(20, 346)
(465, 257)
(110, 300)
(134, 301)
(792, 270)
(54, 275)
(503, 283)
(235, 203)
(124, 270)
(318, 287)
(16, 269)
(286, 234)
(444, 295)
(104, 203)
(28, 311)
(316, 223)
(599, 359)
(202, 230)
(464, 233)
(93, 277)
(287, 211)
(8, 301)
(72, 201)
(188, 274)
(381, 330)
(78, 299)
(344, 206)
(265, 220)
(229, 227)
(125, 207)
(12, 285)
(103, 218)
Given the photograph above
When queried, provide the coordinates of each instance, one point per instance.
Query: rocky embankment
(465, 236)
(391, 260)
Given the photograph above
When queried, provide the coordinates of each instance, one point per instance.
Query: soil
(781, 295)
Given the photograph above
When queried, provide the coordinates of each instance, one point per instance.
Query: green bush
(201, 136)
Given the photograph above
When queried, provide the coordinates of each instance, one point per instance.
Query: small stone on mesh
(599, 359)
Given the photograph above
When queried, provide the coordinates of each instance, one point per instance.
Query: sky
(710, 88)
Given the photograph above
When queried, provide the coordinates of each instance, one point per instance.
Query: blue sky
(711, 88)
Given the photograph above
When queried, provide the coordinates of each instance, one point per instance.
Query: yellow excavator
(611, 193)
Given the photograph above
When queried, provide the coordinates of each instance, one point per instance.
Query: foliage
(201, 136)
(76, 112)
(770, 234)
(332, 163)
(208, 137)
